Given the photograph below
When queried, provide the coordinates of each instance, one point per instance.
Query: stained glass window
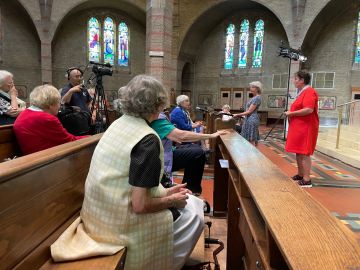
(93, 40)
(109, 41)
(258, 43)
(229, 50)
(123, 58)
(244, 37)
(357, 49)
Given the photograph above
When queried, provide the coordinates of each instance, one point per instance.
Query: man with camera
(77, 101)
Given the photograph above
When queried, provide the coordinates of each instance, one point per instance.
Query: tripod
(102, 116)
(286, 107)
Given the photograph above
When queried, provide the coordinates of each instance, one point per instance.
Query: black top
(145, 165)
(80, 99)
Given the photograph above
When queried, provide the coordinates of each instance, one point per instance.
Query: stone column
(158, 57)
(44, 28)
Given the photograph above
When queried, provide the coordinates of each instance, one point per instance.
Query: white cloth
(187, 230)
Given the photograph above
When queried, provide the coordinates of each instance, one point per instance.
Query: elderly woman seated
(10, 104)
(125, 204)
(37, 128)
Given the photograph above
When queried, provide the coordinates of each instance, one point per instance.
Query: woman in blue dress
(250, 128)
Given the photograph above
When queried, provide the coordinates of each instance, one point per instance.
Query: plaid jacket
(107, 220)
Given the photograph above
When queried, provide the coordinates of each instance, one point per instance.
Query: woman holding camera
(303, 126)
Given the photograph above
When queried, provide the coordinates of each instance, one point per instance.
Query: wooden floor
(218, 230)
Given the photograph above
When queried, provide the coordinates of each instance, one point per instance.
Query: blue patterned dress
(250, 128)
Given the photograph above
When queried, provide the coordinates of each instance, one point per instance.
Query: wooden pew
(40, 196)
(8, 144)
(272, 222)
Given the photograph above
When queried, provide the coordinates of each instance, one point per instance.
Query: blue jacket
(180, 119)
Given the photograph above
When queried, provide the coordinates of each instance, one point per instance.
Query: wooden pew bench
(40, 196)
(9, 147)
(272, 222)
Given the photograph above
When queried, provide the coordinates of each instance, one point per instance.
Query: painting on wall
(327, 103)
(22, 91)
(275, 101)
(205, 99)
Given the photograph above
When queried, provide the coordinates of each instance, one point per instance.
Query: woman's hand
(237, 115)
(287, 113)
(178, 188)
(179, 199)
(13, 92)
(219, 132)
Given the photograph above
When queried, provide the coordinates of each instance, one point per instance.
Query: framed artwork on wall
(22, 91)
(205, 99)
(276, 101)
(327, 103)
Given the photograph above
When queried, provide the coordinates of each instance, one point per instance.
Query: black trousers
(190, 157)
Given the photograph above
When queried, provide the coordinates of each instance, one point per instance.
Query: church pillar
(158, 57)
(44, 27)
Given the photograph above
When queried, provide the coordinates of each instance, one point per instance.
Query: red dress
(303, 130)
(39, 130)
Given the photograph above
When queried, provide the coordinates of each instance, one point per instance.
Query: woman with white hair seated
(10, 105)
(125, 204)
(180, 116)
(37, 128)
(250, 128)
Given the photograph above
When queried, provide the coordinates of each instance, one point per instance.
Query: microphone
(201, 109)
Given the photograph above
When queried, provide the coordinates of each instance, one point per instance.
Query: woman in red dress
(303, 127)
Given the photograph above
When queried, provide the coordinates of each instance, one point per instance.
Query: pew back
(40, 195)
(8, 144)
(272, 222)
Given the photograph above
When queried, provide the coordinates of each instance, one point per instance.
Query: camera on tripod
(292, 54)
(101, 69)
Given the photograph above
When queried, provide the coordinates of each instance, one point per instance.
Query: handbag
(74, 120)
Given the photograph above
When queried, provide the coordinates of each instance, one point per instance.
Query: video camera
(101, 69)
(292, 54)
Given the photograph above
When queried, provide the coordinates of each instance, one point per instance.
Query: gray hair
(226, 106)
(3, 75)
(143, 96)
(258, 85)
(181, 99)
(44, 96)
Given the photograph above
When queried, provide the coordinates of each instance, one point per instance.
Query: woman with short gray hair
(124, 204)
(250, 128)
(10, 105)
(37, 128)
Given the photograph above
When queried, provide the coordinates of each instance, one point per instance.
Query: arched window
(357, 48)
(123, 57)
(109, 41)
(243, 43)
(229, 49)
(258, 43)
(93, 40)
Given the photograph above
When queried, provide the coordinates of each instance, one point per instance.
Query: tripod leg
(277, 122)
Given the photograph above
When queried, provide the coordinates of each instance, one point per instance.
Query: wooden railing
(348, 114)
